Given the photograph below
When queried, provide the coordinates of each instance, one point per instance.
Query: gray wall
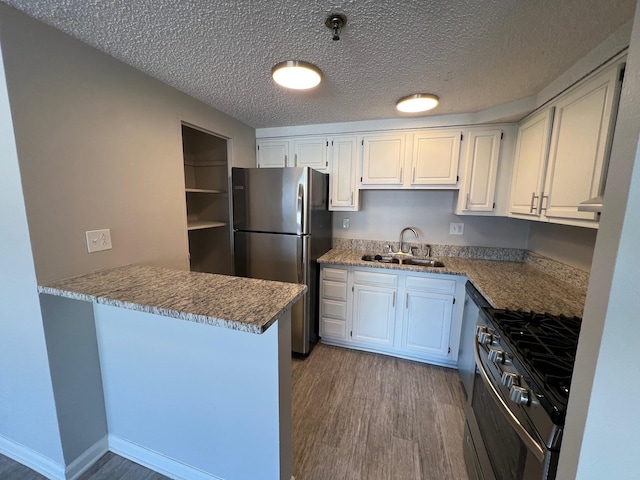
(72, 347)
(99, 147)
(571, 245)
(386, 212)
(601, 436)
(27, 409)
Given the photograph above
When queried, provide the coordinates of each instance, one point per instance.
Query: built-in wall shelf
(205, 190)
(215, 163)
(200, 224)
(206, 181)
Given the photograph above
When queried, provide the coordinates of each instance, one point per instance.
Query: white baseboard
(157, 461)
(90, 456)
(32, 459)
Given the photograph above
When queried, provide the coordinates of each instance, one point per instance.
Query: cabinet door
(373, 314)
(435, 156)
(481, 167)
(383, 159)
(427, 322)
(343, 192)
(311, 152)
(272, 153)
(532, 148)
(580, 144)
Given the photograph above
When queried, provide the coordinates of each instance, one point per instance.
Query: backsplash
(553, 268)
(482, 253)
(566, 273)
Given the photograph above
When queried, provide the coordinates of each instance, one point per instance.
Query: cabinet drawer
(333, 309)
(376, 279)
(335, 274)
(439, 285)
(334, 328)
(334, 290)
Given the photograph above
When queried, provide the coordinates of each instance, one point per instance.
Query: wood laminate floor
(363, 416)
(356, 416)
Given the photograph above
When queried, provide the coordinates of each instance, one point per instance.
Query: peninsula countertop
(238, 303)
(504, 284)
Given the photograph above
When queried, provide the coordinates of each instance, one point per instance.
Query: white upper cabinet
(580, 145)
(411, 160)
(344, 194)
(562, 152)
(383, 158)
(532, 148)
(434, 159)
(272, 153)
(478, 183)
(311, 152)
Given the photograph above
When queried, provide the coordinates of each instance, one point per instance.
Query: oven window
(506, 451)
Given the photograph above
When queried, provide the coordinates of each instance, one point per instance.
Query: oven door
(499, 444)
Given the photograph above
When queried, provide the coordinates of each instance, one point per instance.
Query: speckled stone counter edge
(120, 287)
(558, 270)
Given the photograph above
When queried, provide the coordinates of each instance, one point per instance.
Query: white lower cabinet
(405, 314)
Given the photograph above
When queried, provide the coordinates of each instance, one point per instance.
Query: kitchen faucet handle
(414, 251)
(388, 247)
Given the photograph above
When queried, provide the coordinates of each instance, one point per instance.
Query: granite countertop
(504, 284)
(238, 303)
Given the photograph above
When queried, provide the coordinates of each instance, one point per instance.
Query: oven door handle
(534, 446)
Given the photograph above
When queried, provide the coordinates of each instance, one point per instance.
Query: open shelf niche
(206, 176)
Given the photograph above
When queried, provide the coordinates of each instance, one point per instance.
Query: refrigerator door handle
(300, 208)
(302, 274)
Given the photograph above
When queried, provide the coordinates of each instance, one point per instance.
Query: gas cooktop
(545, 346)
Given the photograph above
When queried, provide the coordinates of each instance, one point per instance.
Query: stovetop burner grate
(546, 346)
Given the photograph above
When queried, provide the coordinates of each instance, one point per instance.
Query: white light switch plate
(456, 228)
(98, 240)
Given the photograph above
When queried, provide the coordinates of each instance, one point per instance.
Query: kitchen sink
(424, 262)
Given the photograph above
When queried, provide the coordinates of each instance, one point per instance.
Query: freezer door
(271, 200)
(282, 258)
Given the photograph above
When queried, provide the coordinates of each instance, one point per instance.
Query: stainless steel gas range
(515, 415)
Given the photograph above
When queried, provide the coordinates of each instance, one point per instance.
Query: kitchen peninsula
(184, 372)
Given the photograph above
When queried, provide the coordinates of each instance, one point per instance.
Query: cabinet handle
(295, 159)
(413, 175)
(393, 300)
(401, 179)
(533, 197)
(406, 300)
(466, 207)
(541, 202)
(286, 159)
(351, 199)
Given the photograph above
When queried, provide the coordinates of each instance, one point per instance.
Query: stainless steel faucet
(400, 250)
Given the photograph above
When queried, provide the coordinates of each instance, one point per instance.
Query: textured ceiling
(473, 54)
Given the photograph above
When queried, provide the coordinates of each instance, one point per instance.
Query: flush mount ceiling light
(419, 102)
(296, 74)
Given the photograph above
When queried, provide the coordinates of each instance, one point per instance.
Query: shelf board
(200, 224)
(219, 163)
(204, 190)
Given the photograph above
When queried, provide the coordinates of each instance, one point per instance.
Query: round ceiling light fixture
(296, 74)
(418, 102)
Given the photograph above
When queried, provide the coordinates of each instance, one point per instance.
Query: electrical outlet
(98, 240)
(456, 228)
(345, 223)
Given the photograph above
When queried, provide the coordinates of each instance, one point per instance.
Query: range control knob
(498, 356)
(519, 395)
(485, 338)
(509, 379)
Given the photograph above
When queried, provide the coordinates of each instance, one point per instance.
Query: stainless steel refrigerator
(281, 226)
